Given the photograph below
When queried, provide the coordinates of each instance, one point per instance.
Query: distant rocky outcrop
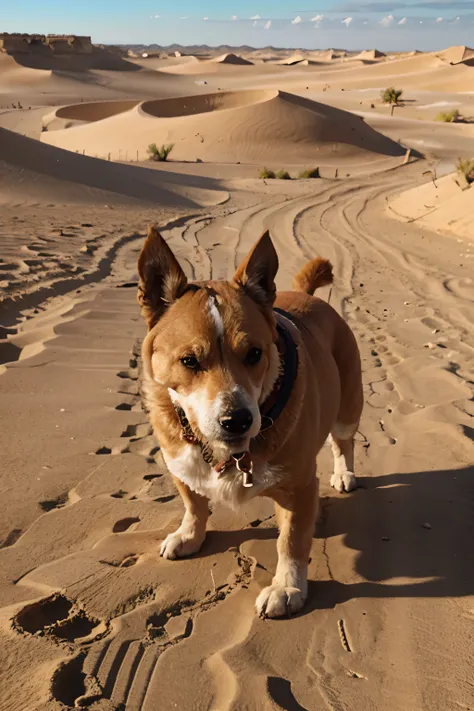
(14, 43)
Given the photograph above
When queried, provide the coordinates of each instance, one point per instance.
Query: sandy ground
(89, 613)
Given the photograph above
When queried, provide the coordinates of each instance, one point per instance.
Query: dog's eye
(253, 356)
(190, 362)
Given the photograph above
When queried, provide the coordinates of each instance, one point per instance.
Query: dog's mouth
(228, 446)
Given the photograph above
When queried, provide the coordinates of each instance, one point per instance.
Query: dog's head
(212, 344)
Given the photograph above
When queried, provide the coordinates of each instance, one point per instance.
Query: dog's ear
(162, 280)
(256, 274)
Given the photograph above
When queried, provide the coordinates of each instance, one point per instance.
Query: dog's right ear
(162, 280)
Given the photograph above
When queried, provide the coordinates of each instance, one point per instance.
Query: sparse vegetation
(283, 175)
(391, 95)
(159, 154)
(453, 116)
(309, 173)
(266, 174)
(465, 167)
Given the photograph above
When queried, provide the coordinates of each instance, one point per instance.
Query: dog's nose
(237, 422)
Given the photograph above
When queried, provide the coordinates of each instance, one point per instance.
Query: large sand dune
(32, 172)
(248, 127)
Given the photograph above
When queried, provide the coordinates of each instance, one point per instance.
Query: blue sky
(352, 24)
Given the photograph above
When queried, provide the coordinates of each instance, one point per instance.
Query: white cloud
(387, 21)
(255, 23)
(255, 17)
(234, 17)
(403, 21)
(155, 17)
(297, 20)
(317, 20)
(347, 21)
(205, 18)
(455, 22)
(440, 19)
(185, 17)
(267, 25)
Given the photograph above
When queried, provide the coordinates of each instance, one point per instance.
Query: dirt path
(87, 499)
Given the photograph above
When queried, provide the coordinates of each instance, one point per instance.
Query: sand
(248, 127)
(89, 613)
(442, 205)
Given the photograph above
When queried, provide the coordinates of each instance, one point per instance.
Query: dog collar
(271, 409)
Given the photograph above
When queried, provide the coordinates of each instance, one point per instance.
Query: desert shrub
(309, 173)
(266, 174)
(391, 95)
(465, 167)
(159, 154)
(449, 116)
(283, 175)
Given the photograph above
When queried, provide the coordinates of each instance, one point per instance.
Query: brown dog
(224, 362)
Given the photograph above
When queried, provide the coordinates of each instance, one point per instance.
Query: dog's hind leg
(189, 537)
(342, 443)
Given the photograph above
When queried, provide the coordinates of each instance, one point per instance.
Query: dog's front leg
(296, 515)
(191, 534)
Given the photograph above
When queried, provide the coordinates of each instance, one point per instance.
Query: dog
(243, 387)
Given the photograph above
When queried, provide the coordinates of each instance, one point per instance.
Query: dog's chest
(227, 488)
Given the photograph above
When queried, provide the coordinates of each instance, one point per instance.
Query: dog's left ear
(162, 280)
(256, 274)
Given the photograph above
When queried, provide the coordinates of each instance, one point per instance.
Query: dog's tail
(316, 273)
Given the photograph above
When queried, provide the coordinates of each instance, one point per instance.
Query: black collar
(288, 351)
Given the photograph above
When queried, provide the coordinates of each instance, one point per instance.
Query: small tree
(465, 167)
(266, 174)
(391, 95)
(159, 154)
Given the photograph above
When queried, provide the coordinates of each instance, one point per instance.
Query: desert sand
(90, 615)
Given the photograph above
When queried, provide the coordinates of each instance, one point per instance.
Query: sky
(314, 24)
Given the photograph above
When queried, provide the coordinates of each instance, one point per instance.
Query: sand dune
(440, 205)
(32, 172)
(230, 58)
(458, 55)
(97, 59)
(370, 54)
(67, 116)
(242, 126)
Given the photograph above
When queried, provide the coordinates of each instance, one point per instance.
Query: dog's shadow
(417, 526)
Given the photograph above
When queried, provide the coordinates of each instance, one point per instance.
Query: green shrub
(159, 154)
(266, 174)
(309, 173)
(449, 116)
(391, 95)
(465, 167)
(283, 175)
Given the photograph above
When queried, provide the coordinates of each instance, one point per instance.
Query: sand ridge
(249, 127)
(32, 172)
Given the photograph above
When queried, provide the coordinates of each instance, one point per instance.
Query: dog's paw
(279, 601)
(344, 481)
(180, 545)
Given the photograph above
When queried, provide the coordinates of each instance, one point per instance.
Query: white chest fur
(225, 488)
